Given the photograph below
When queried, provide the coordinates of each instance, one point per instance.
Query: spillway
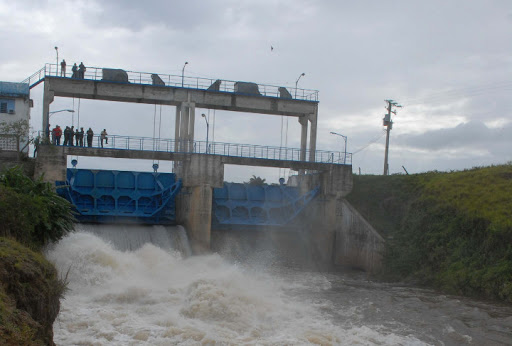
(136, 285)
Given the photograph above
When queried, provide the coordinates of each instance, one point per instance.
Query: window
(6, 106)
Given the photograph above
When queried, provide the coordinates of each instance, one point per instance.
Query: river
(125, 290)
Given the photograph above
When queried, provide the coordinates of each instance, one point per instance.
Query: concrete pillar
(183, 128)
(312, 137)
(191, 125)
(303, 137)
(199, 219)
(185, 121)
(200, 174)
(177, 129)
(48, 97)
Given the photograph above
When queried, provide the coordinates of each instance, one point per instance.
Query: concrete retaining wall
(51, 163)
(357, 243)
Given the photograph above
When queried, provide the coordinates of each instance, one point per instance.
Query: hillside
(450, 230)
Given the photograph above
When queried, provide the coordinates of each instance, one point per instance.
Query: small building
(15, 104)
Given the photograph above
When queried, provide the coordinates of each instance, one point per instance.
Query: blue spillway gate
(113, 196)
(258, 205)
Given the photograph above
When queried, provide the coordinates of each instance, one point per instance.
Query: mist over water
(144, 289)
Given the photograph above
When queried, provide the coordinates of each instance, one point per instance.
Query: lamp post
(62, 110)
(207, 130)
(297, 82)
(183, 73)
(345, 151)
(57, 64)
(46, 122)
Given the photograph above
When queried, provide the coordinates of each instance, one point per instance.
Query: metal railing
(146, 78)
(214, 148)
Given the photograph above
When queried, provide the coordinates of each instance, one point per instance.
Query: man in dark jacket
(81, 71)
(75, 71)
(90, 135)
(81, 136)
(71, 135)
(66, 135)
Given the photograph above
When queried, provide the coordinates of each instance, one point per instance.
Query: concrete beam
(167, 95)
(172, 156)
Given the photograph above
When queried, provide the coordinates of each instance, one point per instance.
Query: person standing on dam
(63, 68)
(90, 135)
(80, 137)
(71, 135)
(77, 137)
(81, 71)
(74, 69)
(104, 137)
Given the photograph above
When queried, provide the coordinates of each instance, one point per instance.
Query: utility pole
(389, 124)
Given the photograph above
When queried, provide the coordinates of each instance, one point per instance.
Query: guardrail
(96, 73)
(214, 148)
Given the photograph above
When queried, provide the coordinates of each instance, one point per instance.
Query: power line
(370, 143)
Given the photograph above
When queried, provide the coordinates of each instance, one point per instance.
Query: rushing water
(128, 291)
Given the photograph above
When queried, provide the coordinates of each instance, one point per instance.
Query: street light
(207, 130)
(57, 64)
(183, 73)
(62, 110)
(297, 82)
(345, 138)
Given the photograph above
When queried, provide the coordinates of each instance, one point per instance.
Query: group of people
(78, 71)
(78, 135)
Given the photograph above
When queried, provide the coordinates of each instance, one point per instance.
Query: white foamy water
(155, 296)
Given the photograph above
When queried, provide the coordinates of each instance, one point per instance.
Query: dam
(195, 194)
(136, 276)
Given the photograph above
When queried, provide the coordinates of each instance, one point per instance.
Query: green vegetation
(29, 296)
(19, 130)
(34, 215)
(452, 230)
(30, 211)
(256, 181)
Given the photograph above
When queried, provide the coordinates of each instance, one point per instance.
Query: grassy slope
(450, 230)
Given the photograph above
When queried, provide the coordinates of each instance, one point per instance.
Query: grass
(450, 230)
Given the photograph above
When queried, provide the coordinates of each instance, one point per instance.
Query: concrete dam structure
(310, 207)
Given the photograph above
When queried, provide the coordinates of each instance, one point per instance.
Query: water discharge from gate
(138, 286)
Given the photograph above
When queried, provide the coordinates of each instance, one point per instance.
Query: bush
(30, 211)
(451, 230)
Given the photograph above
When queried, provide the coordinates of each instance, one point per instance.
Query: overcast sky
(449, 63)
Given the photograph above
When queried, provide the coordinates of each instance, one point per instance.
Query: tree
(256, 180)
(19, 130)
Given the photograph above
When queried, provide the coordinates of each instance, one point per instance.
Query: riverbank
(29, 295)
(451, 231)
(31, 216)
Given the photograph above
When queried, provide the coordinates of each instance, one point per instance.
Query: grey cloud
(474, 134)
